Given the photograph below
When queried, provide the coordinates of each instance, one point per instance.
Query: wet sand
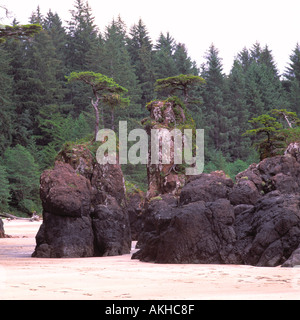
(116, 278)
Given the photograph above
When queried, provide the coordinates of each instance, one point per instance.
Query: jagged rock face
(84, 209)
(163, 178)
(270, 232)
(255, 221)
(67, 226)
(2, 234)
(198, 232)
(198, 229)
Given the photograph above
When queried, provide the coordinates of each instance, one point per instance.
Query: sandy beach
(116, 278)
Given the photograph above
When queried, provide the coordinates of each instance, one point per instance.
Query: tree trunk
(287, 120)
(95, 105)
(186, 97)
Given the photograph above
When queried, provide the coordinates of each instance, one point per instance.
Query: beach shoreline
(120, 278)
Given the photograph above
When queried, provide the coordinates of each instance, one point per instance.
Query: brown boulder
(67, 226)
(65, 193)
(84, 208)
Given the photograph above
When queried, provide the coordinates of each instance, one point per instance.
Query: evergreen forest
(41, 111)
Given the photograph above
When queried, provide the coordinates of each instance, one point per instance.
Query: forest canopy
(40, 110)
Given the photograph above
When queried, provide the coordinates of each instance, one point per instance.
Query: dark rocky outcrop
(199, 232)
(135, 206)
(294, 260)
(269, 233)
(2, 234)
(196, 229)
(84, 208)
(255, 221)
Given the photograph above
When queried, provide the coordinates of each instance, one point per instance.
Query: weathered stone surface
(84, 209)
(206, 187)
(111, 229)
(64, 237)
(268, 234)
(163, 177)
(199, 232)
(135, 206)
(65, 193)
(255, 221)
(244, 192)
(294, 260)
(293, 150)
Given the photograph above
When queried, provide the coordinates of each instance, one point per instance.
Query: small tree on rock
(104, 89)
(181, 83)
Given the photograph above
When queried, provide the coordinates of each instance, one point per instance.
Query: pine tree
(105, 90)
(264, 87)
(82, 40)
(245, 59)
(53, 25)
(163, 61)
(23, 176)
(82, 35)
(38, 85)
(4, 189)
(215, 110)
(292, 82)
(293, 71)
(117, 65)
(238, 112)
(6, 100)
(183, 62)
(141, 52)
(267, 59)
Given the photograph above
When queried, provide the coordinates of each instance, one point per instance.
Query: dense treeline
(40, 111)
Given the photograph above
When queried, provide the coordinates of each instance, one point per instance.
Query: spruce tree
(116, 64)
(292, 82)
(54, 27)
(141, 53)
(38, 85)
(237, 112)
(183, 62)
(163, 61)
(82, 34)
(265, 90)
(6, 100)
(23, 176)
(4, 189)
(82, 39)
(215, 110)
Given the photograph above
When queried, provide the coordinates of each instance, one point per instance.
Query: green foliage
(18, 31)
(271, 137)
(267, 127)
(290, 117)
(40, 111)
(4, 189)
(23, 176)
(219, 162)
(97, 81)
(105, 90)
(136, 175)
(183, 83)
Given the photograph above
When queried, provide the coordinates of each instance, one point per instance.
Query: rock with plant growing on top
(166, 176)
